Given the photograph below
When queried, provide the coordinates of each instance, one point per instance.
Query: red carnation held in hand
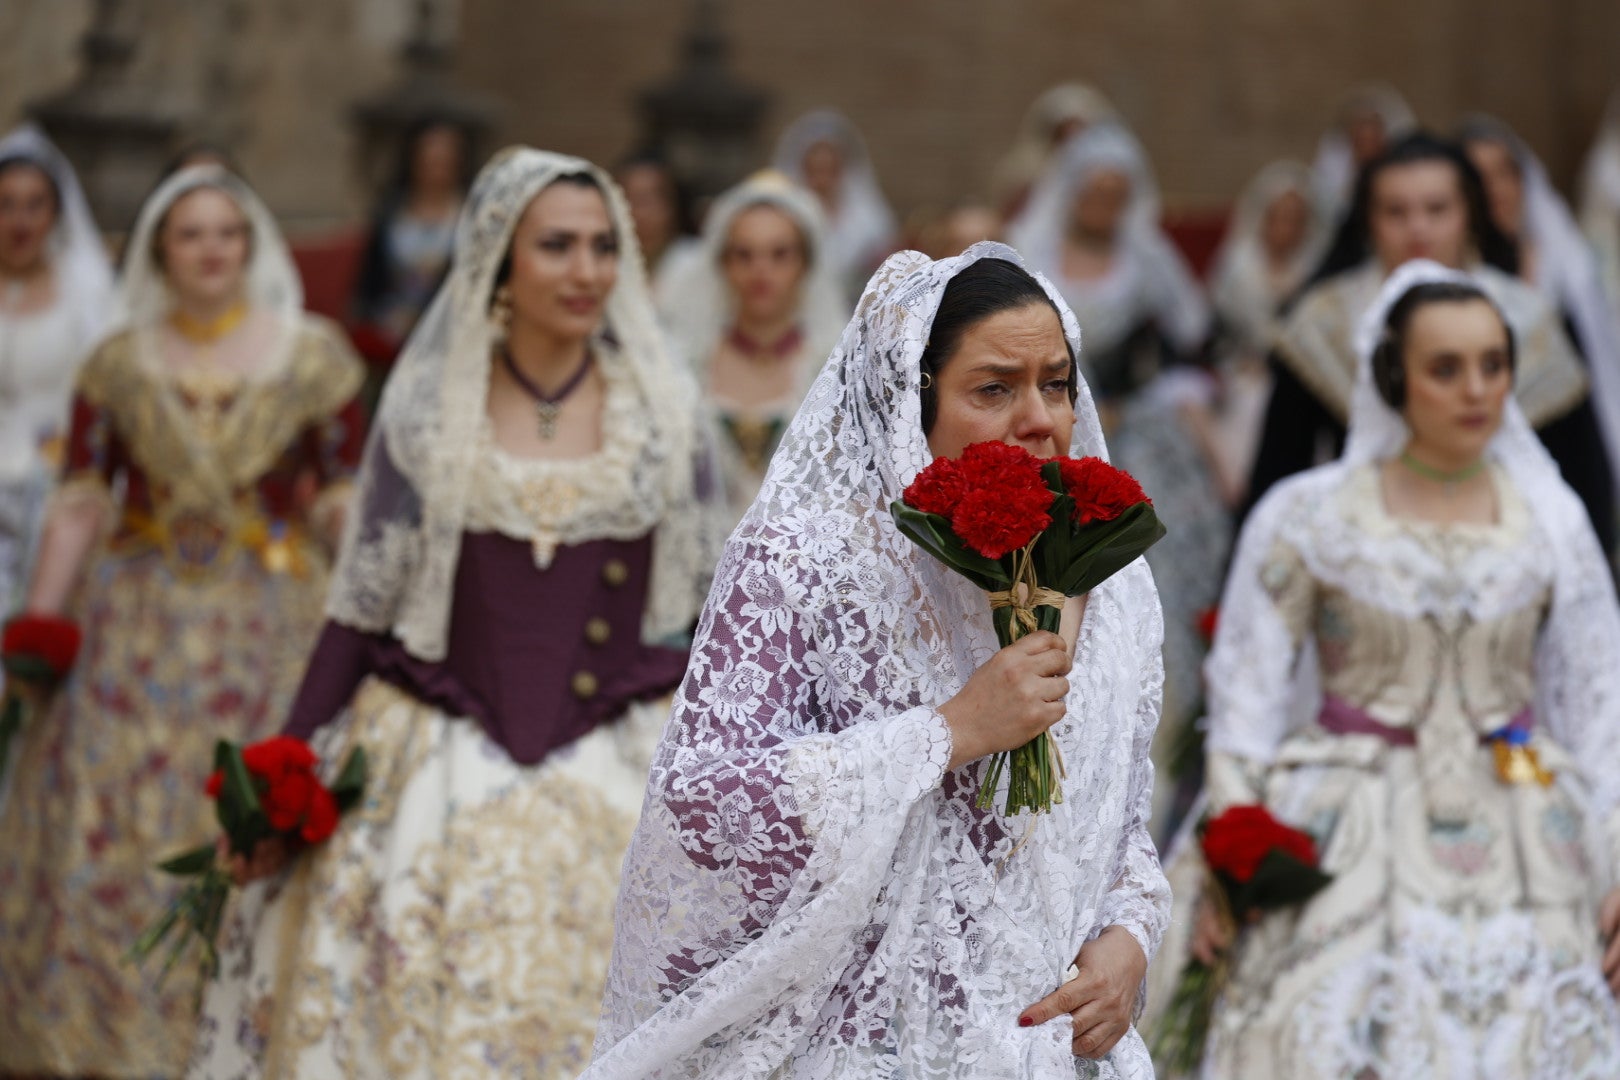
(1100, 491)
(1238, 840)
(937, 489)
(52, 639)
(1006, 503)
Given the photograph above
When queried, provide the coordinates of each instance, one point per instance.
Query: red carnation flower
(51, 639)
(1238, 840)
(320, 821)
(1000, 465)
(937, 489)
(994, 522)
(289, 798)
(216, 780)
(276, 756)
(1100, 491)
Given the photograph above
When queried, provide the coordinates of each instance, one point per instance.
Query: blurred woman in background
(664, 227)
(1054, 118)
(207, 472)
(756, 314)
(55, 284)
(1370, 118)
(1273, 243)
(824, 152)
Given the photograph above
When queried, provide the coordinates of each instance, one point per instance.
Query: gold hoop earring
(500, 310)
(927, 380)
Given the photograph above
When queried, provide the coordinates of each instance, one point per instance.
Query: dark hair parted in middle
(988, 287)
(1354, 239)
(1389, 358)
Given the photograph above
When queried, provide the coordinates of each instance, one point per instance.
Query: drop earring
(500, 310)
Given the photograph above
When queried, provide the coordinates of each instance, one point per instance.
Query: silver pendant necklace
(547, 407)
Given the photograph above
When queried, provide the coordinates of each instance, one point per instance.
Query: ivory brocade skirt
(108, 781)
(457, 925)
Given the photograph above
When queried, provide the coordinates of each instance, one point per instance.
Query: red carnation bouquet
(37, 650)
(269, 790)
(1256, 864)
(1031, 533)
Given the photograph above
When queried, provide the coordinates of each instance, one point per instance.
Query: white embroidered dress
(810, 893)
(1458, 938)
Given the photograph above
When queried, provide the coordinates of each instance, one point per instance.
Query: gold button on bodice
(598, 630)
(583, 684)
(615, 573)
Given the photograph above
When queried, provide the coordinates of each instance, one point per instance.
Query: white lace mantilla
(810, 893)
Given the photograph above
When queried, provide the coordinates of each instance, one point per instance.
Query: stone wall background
(1215, 87)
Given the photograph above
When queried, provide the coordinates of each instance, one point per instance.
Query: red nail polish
(1026, 1021)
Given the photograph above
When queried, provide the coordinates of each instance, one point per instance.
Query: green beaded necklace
(1448, 480)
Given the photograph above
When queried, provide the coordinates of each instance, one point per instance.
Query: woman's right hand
(1016, 695)
(269, 856)
(1211, 936)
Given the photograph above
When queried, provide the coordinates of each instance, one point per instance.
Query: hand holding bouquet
(37, 651)
(266, 791)
(1030, 533)
(1257, 864)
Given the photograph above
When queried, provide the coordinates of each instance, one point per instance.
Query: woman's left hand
(1609, 925)
(1101, 999)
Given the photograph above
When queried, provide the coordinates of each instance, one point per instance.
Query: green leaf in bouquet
(1280, 881)
(29, 668)
(11, 716)
(933, 534)
(189, 863)
(350, 784)
(238, 809)
(1076, 561)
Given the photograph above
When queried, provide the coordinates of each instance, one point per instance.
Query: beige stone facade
(1215, 87)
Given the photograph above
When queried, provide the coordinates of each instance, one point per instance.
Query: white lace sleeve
(1250, 676)
(1139, 898)
(1577, 682)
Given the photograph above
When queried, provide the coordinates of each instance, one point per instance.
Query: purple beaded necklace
(547, 406)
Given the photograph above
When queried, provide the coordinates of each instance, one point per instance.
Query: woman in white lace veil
(755, 355)
(823, 151)
(1372, 673)
(498, 641)
(1554, 256)
(55, 283)
(811, 891)
(213, 436)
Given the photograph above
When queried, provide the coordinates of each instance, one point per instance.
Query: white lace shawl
(864, 228)
(79, 262)
(1241, 287)
(809, 893)
(1260, 687)
(1150, 277)
(701, 307)
(396, 572)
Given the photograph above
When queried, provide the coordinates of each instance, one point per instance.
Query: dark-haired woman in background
(813, 891)
(1423, 199)
(55, 284)
(664, 226)
(408, 250)
(1461, 774)
(528, 527)
(1554, 256)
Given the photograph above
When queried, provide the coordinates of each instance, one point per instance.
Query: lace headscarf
(396, 573)
(809, 892)
(1150, 277)
(1254, 701)
(1244, 291)
(1066, 103)
(701, 304)
(864, 227)
(1335, 166)
(78, 259)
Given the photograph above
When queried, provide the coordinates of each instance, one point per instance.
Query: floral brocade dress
(1458, 937)
(198, 605)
